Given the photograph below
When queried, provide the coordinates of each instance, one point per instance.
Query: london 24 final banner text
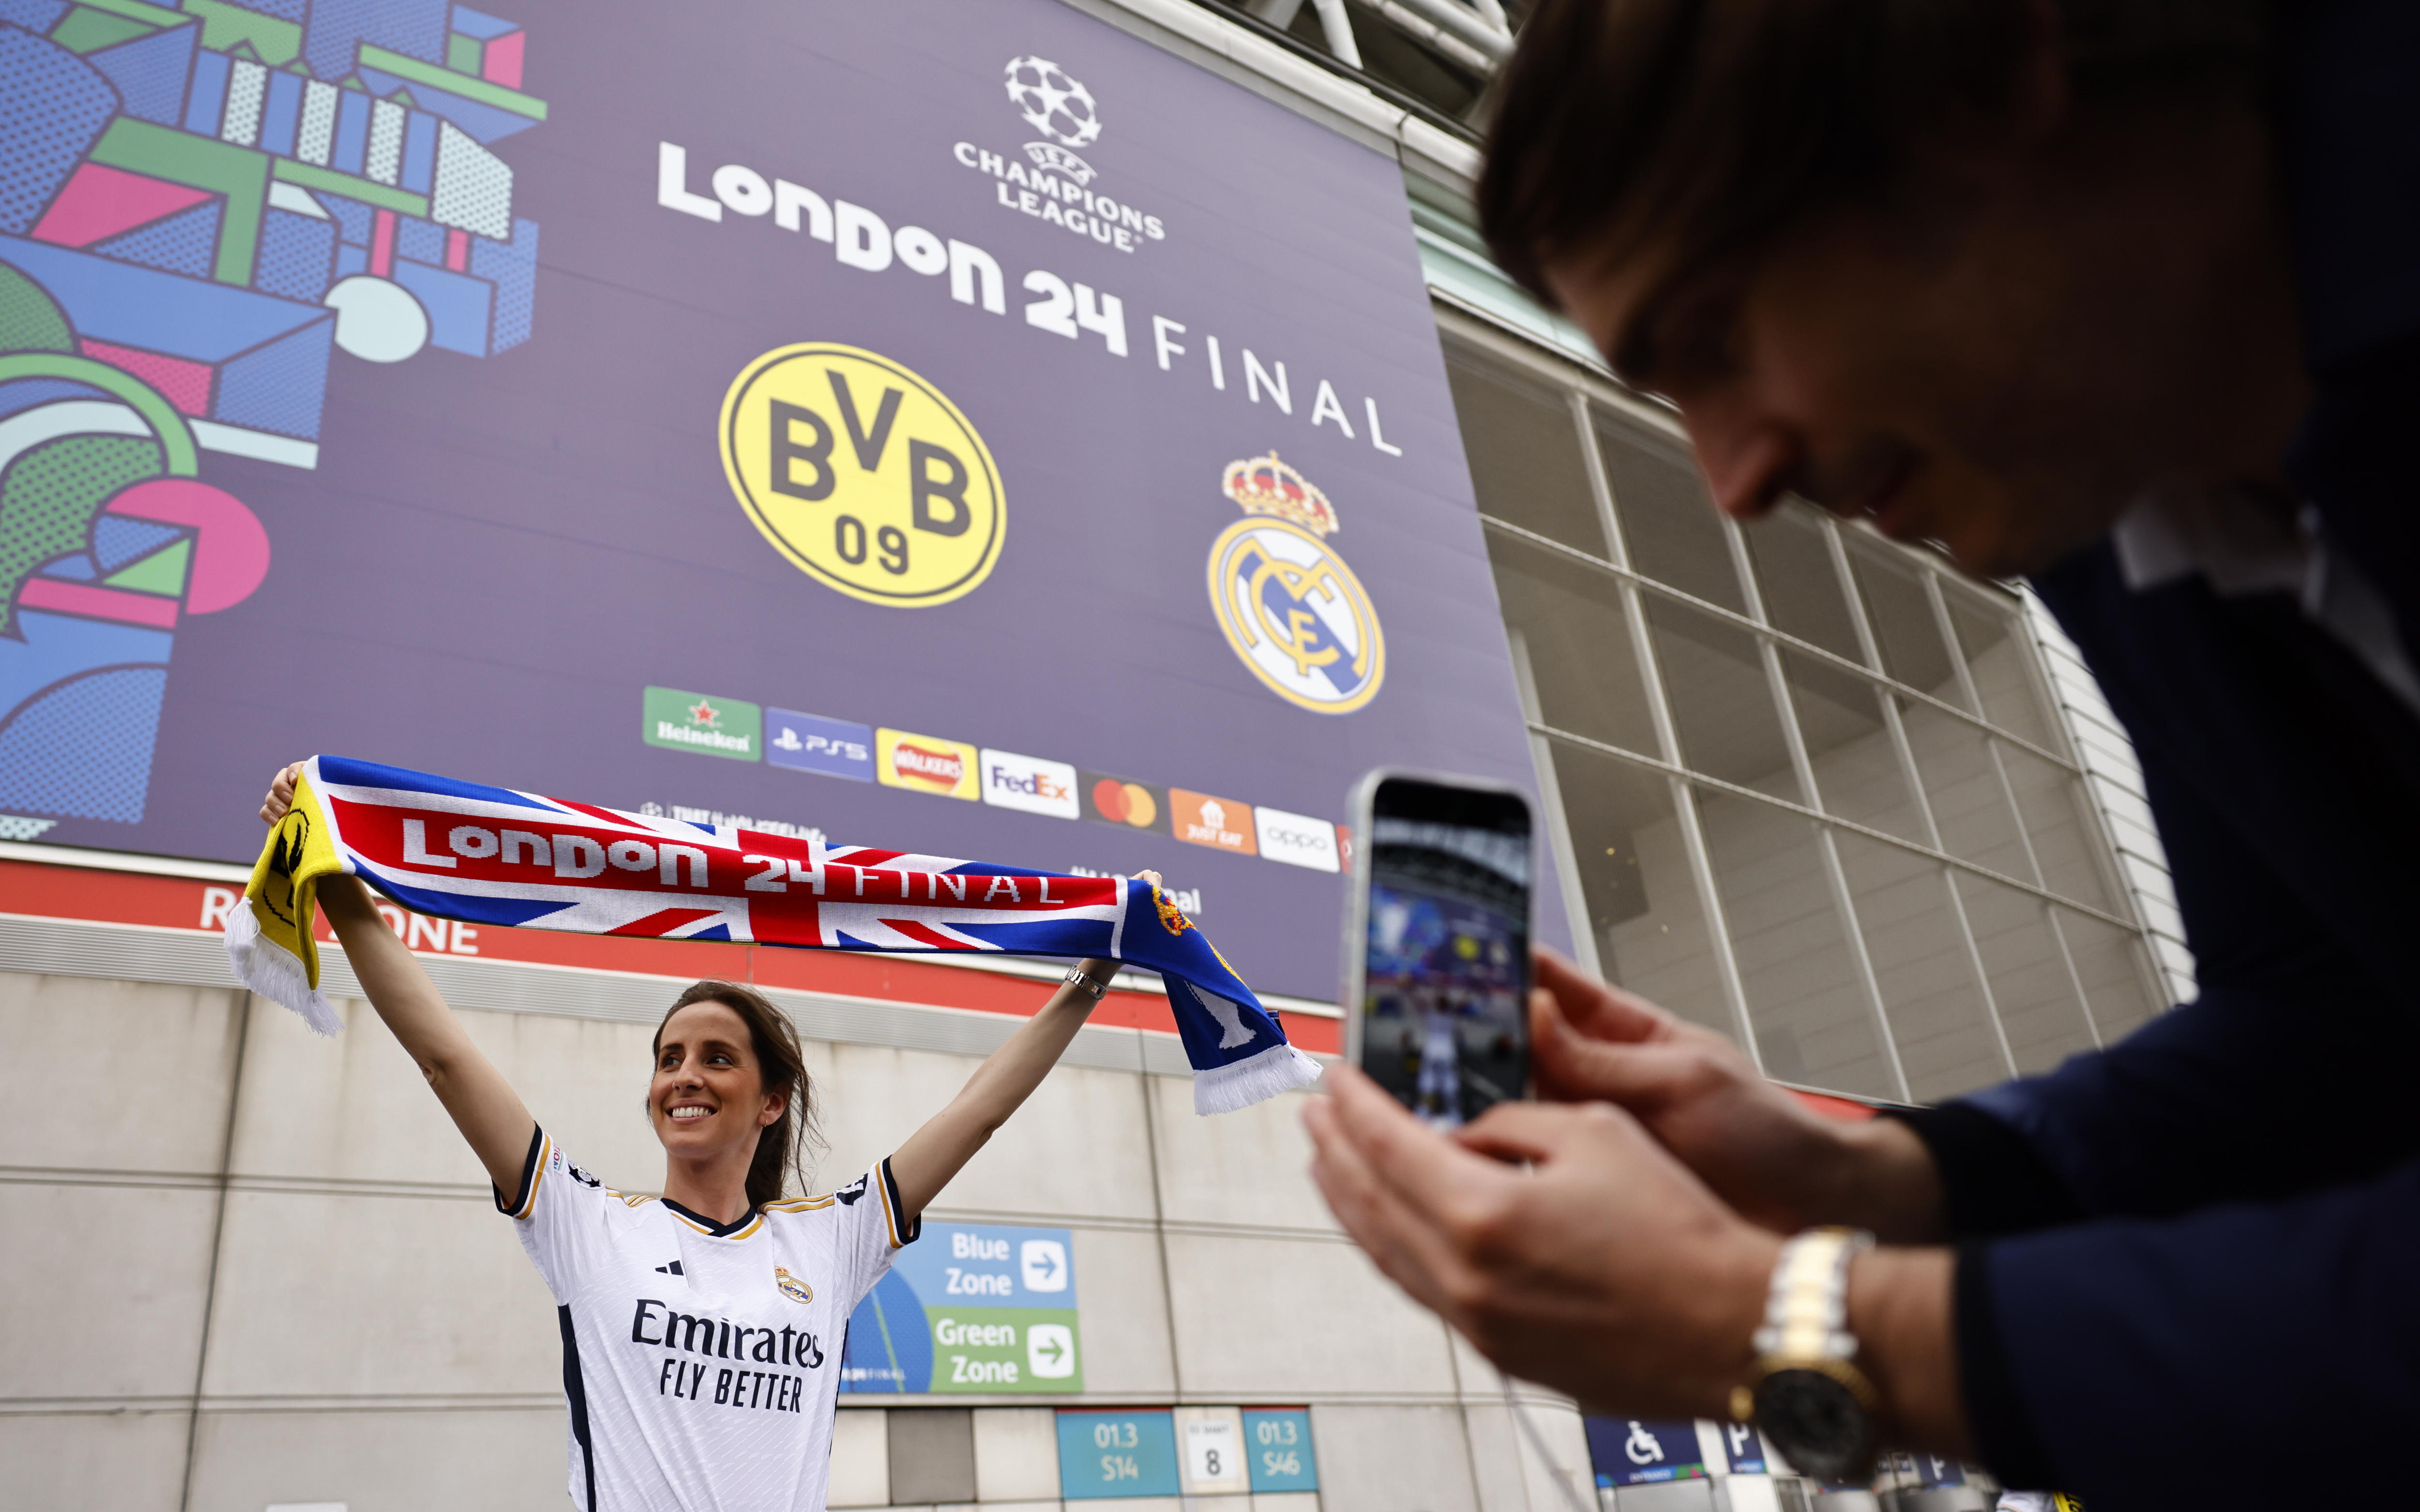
(495, 855)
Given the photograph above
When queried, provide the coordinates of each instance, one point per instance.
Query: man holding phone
(2121, 295)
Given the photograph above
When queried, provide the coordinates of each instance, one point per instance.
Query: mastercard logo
(1126, 803)
(1113, 800)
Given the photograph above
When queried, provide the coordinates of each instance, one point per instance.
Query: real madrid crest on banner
(1288, 604)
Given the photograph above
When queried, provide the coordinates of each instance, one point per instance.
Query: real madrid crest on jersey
(791, 1287)
(1287, 603)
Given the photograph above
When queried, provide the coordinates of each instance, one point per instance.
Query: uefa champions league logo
(1052, 104)
(1059, 107)
(1053, 184)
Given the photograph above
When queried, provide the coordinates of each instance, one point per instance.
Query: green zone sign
(970, 1307)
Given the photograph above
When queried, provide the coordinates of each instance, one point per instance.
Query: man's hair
(1704, 127)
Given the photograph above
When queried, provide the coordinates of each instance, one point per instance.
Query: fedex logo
(810, 743)
(1030, 784)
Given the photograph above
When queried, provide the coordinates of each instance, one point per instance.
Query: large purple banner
(957, 427)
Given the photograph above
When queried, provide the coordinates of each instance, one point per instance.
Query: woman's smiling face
(708, 1090)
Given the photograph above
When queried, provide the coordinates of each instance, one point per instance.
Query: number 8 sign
(1214, 1450)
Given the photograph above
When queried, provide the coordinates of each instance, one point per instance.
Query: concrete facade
(309, 1297)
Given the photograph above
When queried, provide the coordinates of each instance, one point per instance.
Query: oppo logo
(1310, 840)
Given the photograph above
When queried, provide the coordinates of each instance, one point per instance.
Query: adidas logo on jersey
(674, 1269)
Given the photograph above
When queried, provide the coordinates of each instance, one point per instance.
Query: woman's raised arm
(481, 1103)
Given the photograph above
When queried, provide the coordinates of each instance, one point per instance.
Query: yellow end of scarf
(284, 881)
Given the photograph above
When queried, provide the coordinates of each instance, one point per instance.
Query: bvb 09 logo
(863, 474)
(1288, 604)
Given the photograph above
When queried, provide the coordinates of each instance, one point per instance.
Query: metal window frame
(1591, 398)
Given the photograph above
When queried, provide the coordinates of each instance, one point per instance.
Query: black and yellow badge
(791, 1287)
(863, 474)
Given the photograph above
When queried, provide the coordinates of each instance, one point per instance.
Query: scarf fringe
(1238, 1085)
(270, 969)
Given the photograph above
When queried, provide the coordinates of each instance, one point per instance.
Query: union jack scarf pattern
(497, 856)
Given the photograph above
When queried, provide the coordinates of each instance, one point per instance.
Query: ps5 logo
(810, 743)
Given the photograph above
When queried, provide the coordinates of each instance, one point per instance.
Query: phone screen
(1446, 972)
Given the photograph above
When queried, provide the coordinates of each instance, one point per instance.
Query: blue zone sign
(970, 1307)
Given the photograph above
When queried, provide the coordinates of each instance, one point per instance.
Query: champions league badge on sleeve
(1288, 605)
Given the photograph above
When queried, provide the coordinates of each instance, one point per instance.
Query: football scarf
(496, 856)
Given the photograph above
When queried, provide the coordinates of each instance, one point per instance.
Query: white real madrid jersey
(701, 1360)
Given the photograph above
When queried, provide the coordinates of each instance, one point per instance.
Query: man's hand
(280, 792)
(1604, 1269)
(1775, 1160)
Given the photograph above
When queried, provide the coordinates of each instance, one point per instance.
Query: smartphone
(1436, 941)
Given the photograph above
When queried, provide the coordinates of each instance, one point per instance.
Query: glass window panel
(2109, 961)
(1795, 577)
(1814, 1023)
(1580, 651)
(1901, 616)
(1524, 447)
(1857, 770)
(1642, 900)
(2051, 798)
(1722, 703)
(1667, 520)
(2030, 982)
(1969, 802)
(1999, 657)
(1938, 1016)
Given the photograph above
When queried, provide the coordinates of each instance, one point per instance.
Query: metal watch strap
(1807, 1312)
(1810, 1398)
(1093, 986)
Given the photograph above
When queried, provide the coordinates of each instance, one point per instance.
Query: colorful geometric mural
(198, 204)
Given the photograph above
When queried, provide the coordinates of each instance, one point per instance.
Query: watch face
(1817, 1423)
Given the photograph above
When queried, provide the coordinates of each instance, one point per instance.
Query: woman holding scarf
(701, 1328)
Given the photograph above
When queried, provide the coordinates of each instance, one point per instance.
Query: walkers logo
(791, 1287)
(1288, 605)
(1031, 785)
(1220, 824)
(1053, 184)
(695, 722)
(864, 475)
(1113, 800)
(926, 764)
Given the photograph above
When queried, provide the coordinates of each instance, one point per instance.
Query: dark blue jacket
(2190, 1264)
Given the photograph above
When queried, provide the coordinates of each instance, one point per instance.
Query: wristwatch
(1810, 1398)
(1094, 986)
